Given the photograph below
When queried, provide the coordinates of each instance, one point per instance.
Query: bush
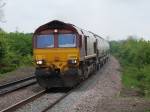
(15, 51)
(134, 56)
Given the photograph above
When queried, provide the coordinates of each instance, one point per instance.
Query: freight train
(65, 54)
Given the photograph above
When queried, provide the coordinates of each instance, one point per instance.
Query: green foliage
(15, 50)
(134, 56)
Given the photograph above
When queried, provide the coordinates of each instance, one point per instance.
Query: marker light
(55, 31)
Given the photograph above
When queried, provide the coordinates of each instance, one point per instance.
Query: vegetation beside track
(15, 51)
(134, 56)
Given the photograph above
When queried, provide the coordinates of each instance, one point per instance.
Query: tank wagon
(65, 54)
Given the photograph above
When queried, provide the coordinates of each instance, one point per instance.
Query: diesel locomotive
(65, 54)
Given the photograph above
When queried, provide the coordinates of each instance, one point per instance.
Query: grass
(129, 77)
(137, 78)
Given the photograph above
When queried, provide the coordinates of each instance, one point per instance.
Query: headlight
(39, 62)
(72, 61)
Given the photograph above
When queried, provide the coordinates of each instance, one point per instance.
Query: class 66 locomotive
(65, 54)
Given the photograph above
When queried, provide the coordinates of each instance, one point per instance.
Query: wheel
(97, 66)
(81, 74)
(85, 72)
(94, 68)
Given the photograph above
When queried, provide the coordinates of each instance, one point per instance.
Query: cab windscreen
(45, 41)
(66, 40)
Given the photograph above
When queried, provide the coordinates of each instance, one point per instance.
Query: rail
(10, 87)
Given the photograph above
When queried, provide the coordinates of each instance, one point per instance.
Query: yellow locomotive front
(56, 54)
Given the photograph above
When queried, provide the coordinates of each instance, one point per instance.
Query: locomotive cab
(56, 54)
(56, 50)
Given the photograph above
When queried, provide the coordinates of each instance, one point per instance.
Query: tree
(2, 4)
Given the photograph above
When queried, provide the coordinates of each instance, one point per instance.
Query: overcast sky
(114, 18)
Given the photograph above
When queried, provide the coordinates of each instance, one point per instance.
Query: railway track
(18, 105)
(57, 101)
(16, 85)
(22, 103)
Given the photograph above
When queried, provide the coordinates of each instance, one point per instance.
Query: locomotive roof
(56, 24)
